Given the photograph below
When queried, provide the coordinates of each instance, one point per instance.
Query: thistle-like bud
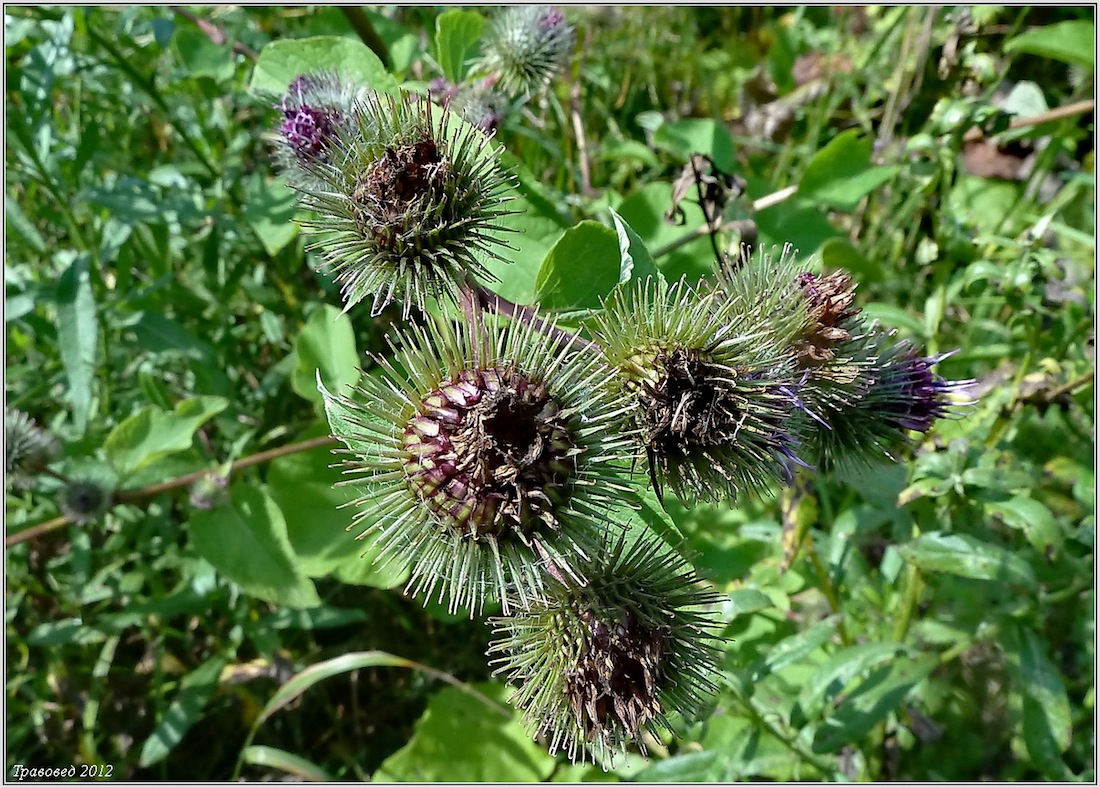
(85, 499)
(410, 199)
(485, 457)
(479, 107)
(526, 47)
(316, 110)
(716, 400)
(28, 449)
(898, 394)
(598, 666)
(209, 492)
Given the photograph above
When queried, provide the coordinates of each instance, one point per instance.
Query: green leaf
(456, 35)
(834, 675)
(247, 542)
(325, 347)
(194, 693)
(347, 663)
(841, 173)
(295, 765)
(581, 268)
(894, 317)
(459, 739)
(1031, 517)
(840, 253)
(697, 135)
(78, 336)
(302, 484)
(281, 62)
(18, 224)
(268, 208)
(692, 767)
(1041, 683)
(645, 211)
(796, 647)
(744, 601)
(201, 56)
(869, 703)
(635, 262)
(965, 556)
(152, 434)
(1071, 42)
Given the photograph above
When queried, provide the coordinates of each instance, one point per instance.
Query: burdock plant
(408, 203)
(489, 458)
(599, 666)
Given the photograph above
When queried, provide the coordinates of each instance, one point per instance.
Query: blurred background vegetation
(163, 317)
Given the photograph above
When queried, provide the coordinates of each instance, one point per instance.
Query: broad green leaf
(1031, 517)
(302, 484)
(581, 268)
(635, 262)
(841, 173)
(295, 765)
(697, 135)
(803, 226)
(869, 702)
(796, 647)
(201, 56)
(247, 542)
(1071, 42)
(456, 35)
(281, 62)
(965, 556)
(78, 336)
(459, 739)
(743, 601)
(514, 276)
(325, 347)
(323, 617)
(268, 208)
(581, 773)
(152, 433)
(835, 674)
(194, 692)
(645, 211)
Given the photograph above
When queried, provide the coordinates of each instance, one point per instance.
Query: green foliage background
(931, 620)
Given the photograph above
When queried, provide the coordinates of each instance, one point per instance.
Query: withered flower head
(595, 667)
(716, 399)
(829, 302)
(86, 498)
(485, 457)
(526, 46)
(409, 203)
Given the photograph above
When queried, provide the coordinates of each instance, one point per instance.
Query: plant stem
(364, 28)
(827, 588)
(790, 742)
(908, 604)
(214, 33)
(529, 315)
(145, 493)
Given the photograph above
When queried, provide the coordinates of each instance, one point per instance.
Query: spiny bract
(489, 456)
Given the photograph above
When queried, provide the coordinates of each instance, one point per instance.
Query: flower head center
(491, 452)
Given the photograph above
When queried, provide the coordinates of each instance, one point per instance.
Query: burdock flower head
(714, 396)
(526, 47)
(86, 498)
(597, 666)
(900, 394)
(489, 457)
(28, 449)
(316, 109)
(408, 202)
